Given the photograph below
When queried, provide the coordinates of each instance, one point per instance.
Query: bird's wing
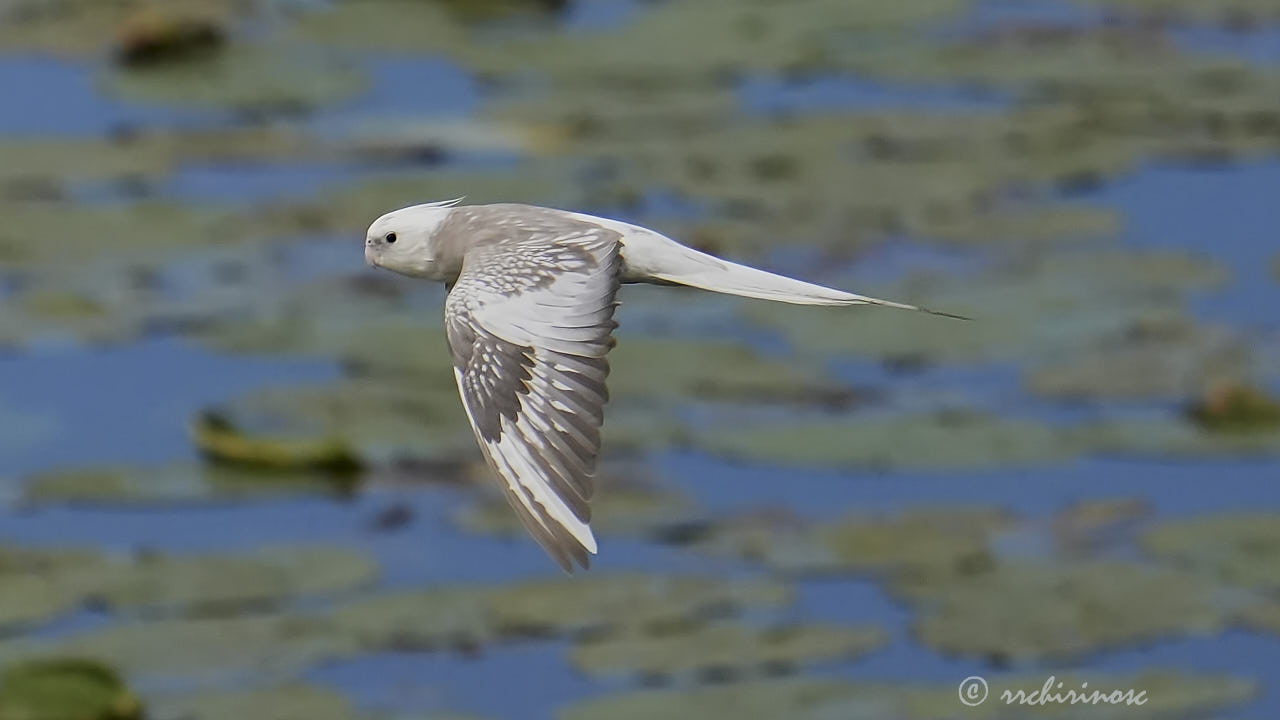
(529, 323)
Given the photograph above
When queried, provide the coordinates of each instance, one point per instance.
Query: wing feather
(529, 323)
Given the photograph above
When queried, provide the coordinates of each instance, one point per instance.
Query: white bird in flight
(529, 320)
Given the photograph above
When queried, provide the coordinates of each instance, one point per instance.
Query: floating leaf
(940, 441)
(724, 648)
(269, 79)
(1163, 436)
(224, 584)
(222, 442)
(66, 690)
(167, 485)
(290, 702)
(418, 620)
(1170, 359)
(1021, 612)
(635, 601)
(199, 651)
(1241, 548)
(1227, 406)
(1171, 694)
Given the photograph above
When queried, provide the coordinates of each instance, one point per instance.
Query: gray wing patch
(529, 324)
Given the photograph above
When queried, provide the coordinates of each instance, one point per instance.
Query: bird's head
(402, 240)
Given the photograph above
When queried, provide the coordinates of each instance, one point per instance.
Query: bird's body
(529, 320)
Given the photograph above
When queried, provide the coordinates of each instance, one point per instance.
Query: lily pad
(289, 702)
(724, 648)
(1171, 437)
(1173, 694)
(418, 620)
(1023, 226)
(167, 485)
(1014, 613)
(1232, 13)
(1264, 617)
(372, 420)
(268, 79)
(66, 689)
(32, 599)
(85, 27)
(143, 157)
(1241, 548)
(647, 602)
(43, 584)
(1231, 406)
(1084, 526)
(940, 441)
(222, 442)
(670, 368)
(1171, 359)
(198, 651)
(226, 584)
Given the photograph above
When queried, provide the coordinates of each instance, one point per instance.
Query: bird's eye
(391, 237)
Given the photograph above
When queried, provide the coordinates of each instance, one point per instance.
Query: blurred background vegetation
(235, 481)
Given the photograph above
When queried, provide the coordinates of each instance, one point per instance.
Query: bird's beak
(369, 256)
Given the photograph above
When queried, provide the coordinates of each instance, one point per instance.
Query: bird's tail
(661, 258)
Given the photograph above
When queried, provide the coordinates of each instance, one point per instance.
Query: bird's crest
(445, 203)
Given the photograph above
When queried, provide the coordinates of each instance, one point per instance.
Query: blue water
(1229, 216)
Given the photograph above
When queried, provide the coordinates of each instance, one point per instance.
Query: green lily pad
(1023, 226)
(1264, 617)
(724, 648)
(1085, 525)
(42, 588)
(1241, 548)
(152, 230)
(43, 584)
(1232, 13)
(920, 539)
(1231, 406)
(939, 441)
(1089, 59)
(1171, 694)
(648, 602)
(225, 584)
(198, 651)
(66, 689)
(418, 620)
(32, 599)
(221, 442)
(1015, 612)
(147, 156)
(670, 368)
(289, 702)
(1174, 359)
(168, 485)
(467, 616)
(1163, 436)
(84, 27)
(273, 79)
(378, 421)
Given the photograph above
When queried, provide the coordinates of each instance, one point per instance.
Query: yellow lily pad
(66, 689)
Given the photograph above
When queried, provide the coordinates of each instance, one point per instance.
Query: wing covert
(529, 324)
